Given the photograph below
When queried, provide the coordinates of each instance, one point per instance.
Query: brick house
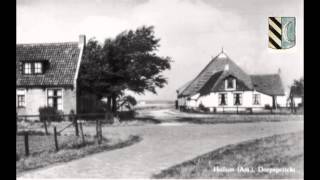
(46, 75)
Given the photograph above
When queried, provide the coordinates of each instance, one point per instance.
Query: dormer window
(27, 68)
(33, 68)
(230, 83)
(38, 68)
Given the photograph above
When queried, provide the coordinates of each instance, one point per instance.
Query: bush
(249, 110)
(49, 114)
(267, 106)
(89, 103)
(183, 108)
(203, 108)
(123, 115)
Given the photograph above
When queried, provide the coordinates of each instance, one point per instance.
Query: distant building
(47, 76)
(224, 86)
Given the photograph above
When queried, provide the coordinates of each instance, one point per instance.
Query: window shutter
(42, 67)
(21, 67)
(226, 98)
(32, 68)
(45, 66)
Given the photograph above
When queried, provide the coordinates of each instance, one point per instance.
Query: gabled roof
(211, 76)
(207, 88)
(217, 64)
(63, 63)
(268, 84)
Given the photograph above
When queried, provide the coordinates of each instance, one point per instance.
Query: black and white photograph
(160, 89)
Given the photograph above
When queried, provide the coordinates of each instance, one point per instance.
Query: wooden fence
(76, 122)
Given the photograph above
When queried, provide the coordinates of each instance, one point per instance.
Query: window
(38, 68)
(27, 68)
(21, 101)
(230, 84)
(21, 98)
(223, 99)
(256, 99)
(32, 68)
(237, 98)
(55, 98)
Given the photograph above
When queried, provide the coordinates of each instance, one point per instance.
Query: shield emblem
(282, 32)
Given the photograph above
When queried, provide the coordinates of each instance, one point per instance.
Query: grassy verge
(227, 118)
(69, 151)
(275, 152)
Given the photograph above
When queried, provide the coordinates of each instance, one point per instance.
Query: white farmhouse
(223, 86)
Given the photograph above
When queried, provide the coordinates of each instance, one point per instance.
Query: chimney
(226, 67)
(82, 40)
(279, 71)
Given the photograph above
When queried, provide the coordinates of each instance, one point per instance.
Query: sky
(192, 32)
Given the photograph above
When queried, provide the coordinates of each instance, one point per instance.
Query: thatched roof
(268, 84)
(183, 87)
(217, 65)
(221, 67)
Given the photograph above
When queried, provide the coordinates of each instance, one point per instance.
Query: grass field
(278, 151)
(42, 149)
(42, 143)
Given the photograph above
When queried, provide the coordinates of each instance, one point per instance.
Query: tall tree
(127, 62)
(297, 90)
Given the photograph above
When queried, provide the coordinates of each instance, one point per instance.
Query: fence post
(55, 138)
(16, 123)
(81, 129)
(45, 125)
(99, 131)
(26, 143)
(75, 121)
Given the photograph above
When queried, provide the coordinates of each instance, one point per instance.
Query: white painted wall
(282, 101)
(34, 98)
(182, 101)
(37, 97)
(297, 100)
(211, 100)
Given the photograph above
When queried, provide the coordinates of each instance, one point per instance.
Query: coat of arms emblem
(282, 32)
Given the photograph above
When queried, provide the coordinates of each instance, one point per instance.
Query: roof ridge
(191, 82)
(227, 60)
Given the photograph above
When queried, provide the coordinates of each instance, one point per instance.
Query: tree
(127, 62)
(127, 101)
(297, 90)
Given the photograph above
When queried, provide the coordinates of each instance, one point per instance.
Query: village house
(46, 75)
(224, 86)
